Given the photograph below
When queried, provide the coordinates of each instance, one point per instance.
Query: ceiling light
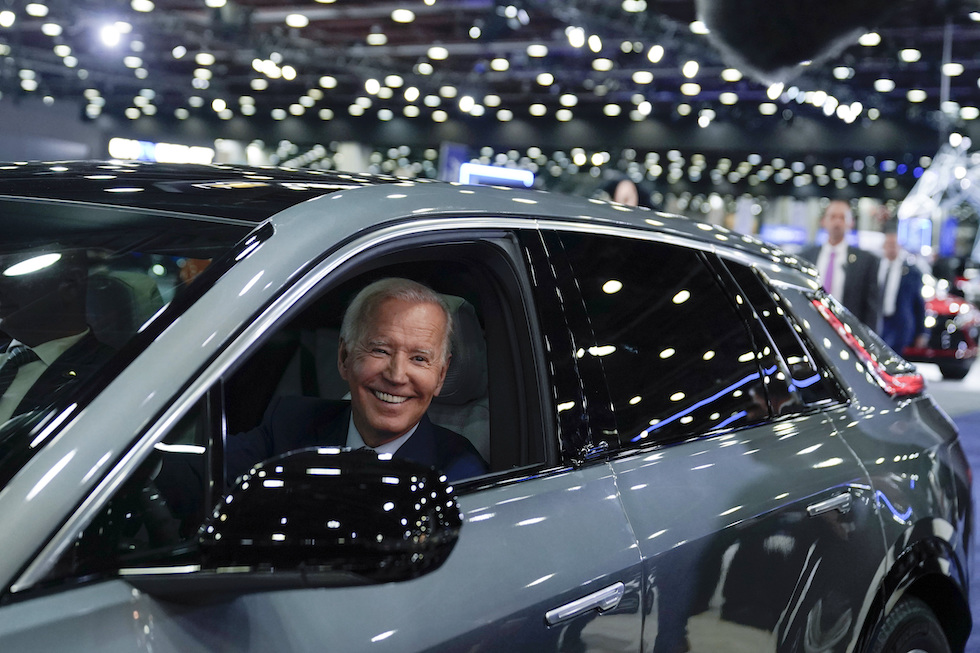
(612, 110)
(110, 35)
(412, 94)
(546, 79)
(403, 15)
(204, 59)
(411, 111)
(969, 113)
(870, 39)
(916, 95)
(448, 91)
(440, 116)
(7, 18)
(537, 110)
(328, 82)
(36, 9)
(731, 74)
(51, 29)
(505, 115)
(953, 69)
(728, 98)
(424, 68)
(259, 84)
(144, 6)
(438, 53)
(684, 109)
(568, 100)
(642, 77)
(910, 55)
(466, 103)
(325, 114)
(491, 100)
(372, 86)
(634, 6)
(843, 72)
(698, 27)
(576, 36)
(564, 115)
(656, 53)
(499, 64)
(690, 89)
(768, 108)
(884, 85)
(537, 50)
(595, 43)
(180, 51)
(215, 4)
(432, 101)
(297, 21)
(602, 65)
(690, 69)
(774, 91)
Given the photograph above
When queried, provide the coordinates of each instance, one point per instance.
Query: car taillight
(896, 385)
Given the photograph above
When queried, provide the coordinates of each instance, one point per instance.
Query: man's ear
(342, 358)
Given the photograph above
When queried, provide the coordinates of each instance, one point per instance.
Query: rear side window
(677, 358)
(808, 382)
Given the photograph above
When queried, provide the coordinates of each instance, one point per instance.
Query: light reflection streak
(690, 409)
(900, 517)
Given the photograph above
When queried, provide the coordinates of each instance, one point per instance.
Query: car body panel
(508, 541)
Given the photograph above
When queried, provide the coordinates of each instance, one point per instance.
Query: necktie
(828, 280)
(17, 356)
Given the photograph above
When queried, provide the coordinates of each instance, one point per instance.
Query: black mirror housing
(327, 511)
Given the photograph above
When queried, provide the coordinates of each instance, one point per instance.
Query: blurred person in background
(848, 273)
(903, 309)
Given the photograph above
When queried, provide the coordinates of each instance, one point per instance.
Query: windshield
(77, 284)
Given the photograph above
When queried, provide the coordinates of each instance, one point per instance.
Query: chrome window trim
(79, 519)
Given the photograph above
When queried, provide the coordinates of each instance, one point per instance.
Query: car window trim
(215, 368)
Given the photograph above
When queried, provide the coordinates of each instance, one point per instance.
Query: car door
(757, 524)
(545, 558)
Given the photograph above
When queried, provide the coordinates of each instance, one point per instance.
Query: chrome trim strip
(603, 600)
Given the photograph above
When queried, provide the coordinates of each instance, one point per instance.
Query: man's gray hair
(362, 308)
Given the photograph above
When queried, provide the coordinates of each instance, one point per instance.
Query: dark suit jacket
(861, 293)
(901, 328)
(75, 365)
(298, 422)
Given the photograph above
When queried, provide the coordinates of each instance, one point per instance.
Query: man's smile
(388, 398)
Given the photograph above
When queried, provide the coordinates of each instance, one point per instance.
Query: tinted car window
(809, 383)
(677, 357)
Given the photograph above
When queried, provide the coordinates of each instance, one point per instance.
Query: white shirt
(840, 260)
(355, 441)
(29, 373)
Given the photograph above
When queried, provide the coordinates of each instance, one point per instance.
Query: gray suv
(689, 446)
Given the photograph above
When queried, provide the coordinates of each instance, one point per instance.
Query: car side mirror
(320, 517)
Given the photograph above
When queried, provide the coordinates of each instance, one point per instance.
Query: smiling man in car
(394, 352)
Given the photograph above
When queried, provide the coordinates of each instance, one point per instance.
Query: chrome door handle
(841, 502)
(603, 600)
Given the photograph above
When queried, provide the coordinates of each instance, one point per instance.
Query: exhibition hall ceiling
(693, 63)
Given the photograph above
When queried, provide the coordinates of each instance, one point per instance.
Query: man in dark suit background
(848, 273)
(903, 308)
(43, 313)
(394, 352)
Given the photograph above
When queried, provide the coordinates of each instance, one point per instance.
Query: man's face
(396, 369)
(626, 193)
(836, 221)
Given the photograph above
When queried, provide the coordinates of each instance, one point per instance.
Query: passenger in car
(394, 352)
(43, 313)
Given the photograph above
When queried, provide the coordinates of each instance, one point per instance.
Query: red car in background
(954, 329)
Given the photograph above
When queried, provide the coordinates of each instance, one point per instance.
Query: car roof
(247, 195)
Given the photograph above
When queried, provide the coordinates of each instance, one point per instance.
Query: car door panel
(524, 550)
